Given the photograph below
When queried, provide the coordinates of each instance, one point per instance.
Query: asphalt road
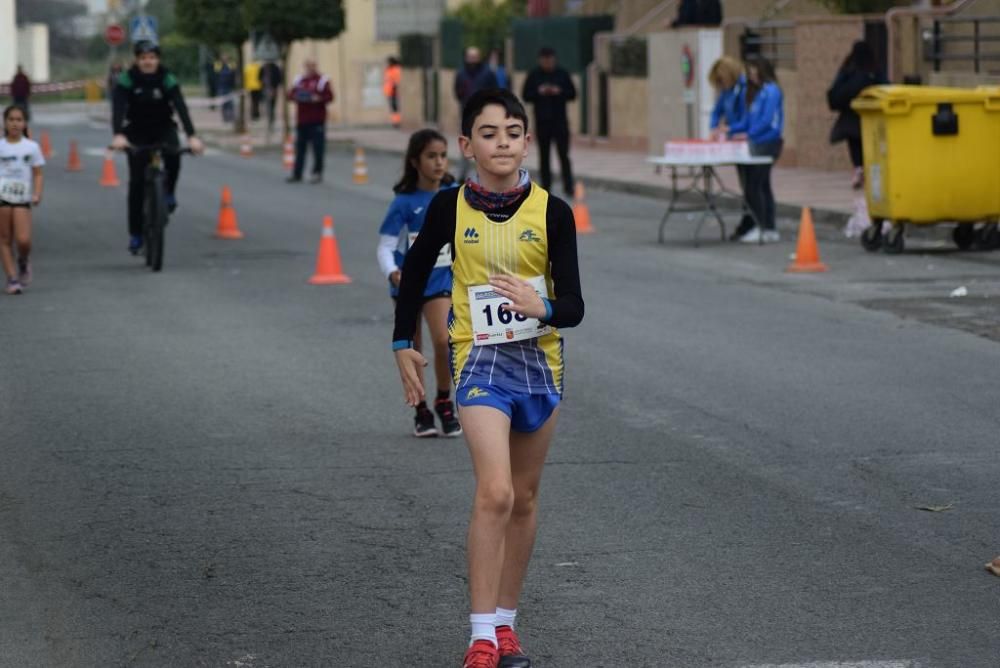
(211, 466)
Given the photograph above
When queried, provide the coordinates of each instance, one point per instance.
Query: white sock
(483, 628)
(506, 617)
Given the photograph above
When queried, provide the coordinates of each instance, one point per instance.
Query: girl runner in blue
(424, 174)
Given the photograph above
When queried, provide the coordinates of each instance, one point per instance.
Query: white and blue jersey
(402, 223)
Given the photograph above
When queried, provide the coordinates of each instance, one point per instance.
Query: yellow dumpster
(931, 155)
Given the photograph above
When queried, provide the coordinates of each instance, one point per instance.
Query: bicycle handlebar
(149, 148)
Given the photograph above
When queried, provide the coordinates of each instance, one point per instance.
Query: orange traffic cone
(109, 179)
(581, 213)
(227, 228)
(74, 164)
(288, 156)
(46, 144)
(807, 253)
(360, 167)
(328, 269)
(246, 146)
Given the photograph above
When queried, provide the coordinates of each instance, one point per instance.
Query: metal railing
(774, 40)
(973, 37)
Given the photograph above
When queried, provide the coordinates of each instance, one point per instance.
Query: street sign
(114, 35)
(264, 46)
(143, 29)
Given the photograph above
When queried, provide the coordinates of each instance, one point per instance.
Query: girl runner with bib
(516, 280)
(20, 188)
(424, 173)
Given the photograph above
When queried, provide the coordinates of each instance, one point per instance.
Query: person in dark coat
(698, 13)
(225, 83)
(20, 90)
(273, 80)
(472, 78)
(549, 87)
(859, 71)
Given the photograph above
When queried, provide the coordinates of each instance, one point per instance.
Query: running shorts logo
(529, 235)
(471, 235)
(476, 393)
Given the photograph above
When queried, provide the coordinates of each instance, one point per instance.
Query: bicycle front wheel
(156, 221)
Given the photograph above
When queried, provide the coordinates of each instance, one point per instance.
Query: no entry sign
(114, 35)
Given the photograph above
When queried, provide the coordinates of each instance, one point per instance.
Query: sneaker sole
(425, 434)
(453, 434)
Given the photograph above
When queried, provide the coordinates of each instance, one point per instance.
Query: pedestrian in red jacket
(311, 92)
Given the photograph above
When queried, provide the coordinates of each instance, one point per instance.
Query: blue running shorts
(527, 412)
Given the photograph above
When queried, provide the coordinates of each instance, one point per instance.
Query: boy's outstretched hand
(411, 363)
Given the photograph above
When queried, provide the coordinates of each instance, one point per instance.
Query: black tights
(137, 180)
(759, 195)
(854, 148)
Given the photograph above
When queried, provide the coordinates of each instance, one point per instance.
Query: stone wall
(821, 45)
(628, 111)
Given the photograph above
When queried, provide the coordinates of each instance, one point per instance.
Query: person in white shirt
(20, 188)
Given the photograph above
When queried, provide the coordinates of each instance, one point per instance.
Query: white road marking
(97, 151)
(892, 663)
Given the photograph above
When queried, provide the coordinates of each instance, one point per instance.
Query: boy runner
(516, 280)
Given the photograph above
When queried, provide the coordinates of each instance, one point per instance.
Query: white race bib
(492, 325)
(444, 257)
(15, 191)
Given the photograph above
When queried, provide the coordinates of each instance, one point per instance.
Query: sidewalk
(828, 193)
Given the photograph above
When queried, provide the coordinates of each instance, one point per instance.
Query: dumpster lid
(901, 98)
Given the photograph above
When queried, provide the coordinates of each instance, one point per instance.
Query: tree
(216, 23)
(289, 20)
(486, 23)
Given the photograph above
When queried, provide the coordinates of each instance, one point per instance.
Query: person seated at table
(726, 77)
(762, 127)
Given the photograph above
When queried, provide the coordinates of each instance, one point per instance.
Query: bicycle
(155, 214)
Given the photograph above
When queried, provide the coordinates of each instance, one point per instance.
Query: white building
(8, 40)
(27, 46)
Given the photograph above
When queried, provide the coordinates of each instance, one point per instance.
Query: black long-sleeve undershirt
(439, 229)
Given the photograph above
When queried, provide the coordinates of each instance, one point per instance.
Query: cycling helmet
(145, 46)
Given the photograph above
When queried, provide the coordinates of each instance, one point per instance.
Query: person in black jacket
(472, 78)
(549, 87)
(859, 71)
(698, 13)
(145, 100)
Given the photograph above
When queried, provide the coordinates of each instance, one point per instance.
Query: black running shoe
(746, 224)
(423, 423)
(450, 425)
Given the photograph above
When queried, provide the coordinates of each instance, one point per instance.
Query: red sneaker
(482, 654)
(511, 653)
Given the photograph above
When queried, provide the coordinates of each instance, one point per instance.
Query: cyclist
(145, 99)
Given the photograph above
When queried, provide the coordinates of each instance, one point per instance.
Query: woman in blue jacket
(762, 126)
(726, 77)
(730, 84)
